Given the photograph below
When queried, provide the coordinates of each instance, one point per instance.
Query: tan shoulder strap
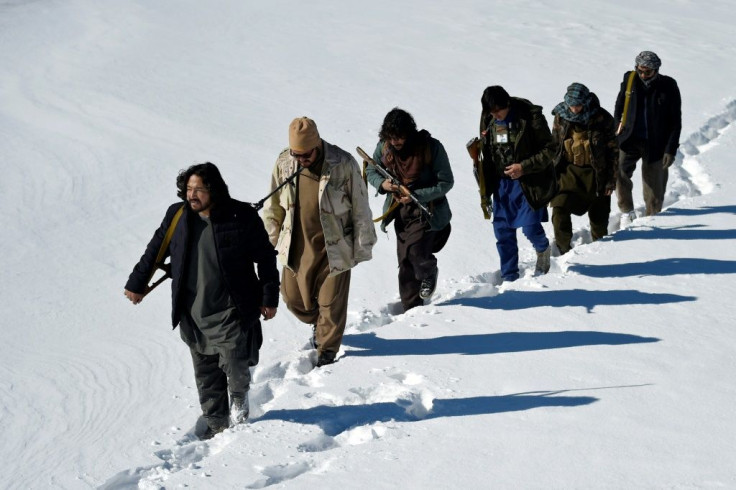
(167, 240)
(627, 101)
(159, 264)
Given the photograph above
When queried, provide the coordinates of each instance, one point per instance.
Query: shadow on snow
(661, 267)
(690, 232)
(334, 420)
(479, 344)
(698, 211)
(521, 300)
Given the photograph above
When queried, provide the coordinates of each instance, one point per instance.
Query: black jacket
(240, 240)
(663, 114)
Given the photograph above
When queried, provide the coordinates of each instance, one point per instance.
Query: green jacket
(603, 146)
(430, 188)
(534, 150)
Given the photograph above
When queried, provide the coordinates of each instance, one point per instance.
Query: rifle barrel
(288, 179)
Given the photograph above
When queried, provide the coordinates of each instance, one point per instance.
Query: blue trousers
(508, 249)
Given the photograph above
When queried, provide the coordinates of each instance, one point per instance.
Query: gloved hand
(667, 160)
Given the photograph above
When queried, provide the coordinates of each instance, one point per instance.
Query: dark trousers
(214, 375)
(415, 248)
(654, 179)
(598, 213)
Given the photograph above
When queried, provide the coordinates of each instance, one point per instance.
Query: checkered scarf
(648, 59)
(577, 94)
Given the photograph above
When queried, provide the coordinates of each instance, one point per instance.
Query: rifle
(474, 150)
(394, 181)
(257, 206)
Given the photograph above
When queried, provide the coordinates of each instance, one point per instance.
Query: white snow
(615, 370)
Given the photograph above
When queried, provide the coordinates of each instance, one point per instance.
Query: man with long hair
(217, 295)
(420, 163)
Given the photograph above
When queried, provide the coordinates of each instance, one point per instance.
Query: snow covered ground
(613, 371)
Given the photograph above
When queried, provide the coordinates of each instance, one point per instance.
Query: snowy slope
(613, 371)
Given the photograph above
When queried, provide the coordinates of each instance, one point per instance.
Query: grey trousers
(215, 375)
(654, 179)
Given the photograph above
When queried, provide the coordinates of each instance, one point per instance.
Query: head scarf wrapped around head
(577, 94)
(648, 59)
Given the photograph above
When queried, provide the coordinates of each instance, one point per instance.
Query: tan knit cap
(303, 135)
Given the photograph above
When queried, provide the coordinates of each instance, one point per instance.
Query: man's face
(307, 159)
(645, 73)
(576, 109)
(198, 196)
(397, 142)
(500, 114)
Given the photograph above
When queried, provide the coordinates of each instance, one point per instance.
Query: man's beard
(194, 202)
(648, 82)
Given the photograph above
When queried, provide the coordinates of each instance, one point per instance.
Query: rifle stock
(474, 150)
(167, 274)
(387, 175)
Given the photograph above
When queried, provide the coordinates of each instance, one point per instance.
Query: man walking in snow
(586, 164)
(321, 227)
(649, 120)
(217, 297)
(518, 149)
(421, 164)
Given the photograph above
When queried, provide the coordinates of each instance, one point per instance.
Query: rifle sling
(167, 240)
(390, 210)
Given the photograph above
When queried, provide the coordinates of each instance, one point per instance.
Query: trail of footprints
(407, 391)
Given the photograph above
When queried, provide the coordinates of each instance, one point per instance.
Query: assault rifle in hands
(394, 181)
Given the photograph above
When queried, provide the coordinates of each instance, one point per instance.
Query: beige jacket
(345, 214)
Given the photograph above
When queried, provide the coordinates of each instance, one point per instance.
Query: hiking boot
(325, 358)
(212, 432)
(239, 409)
(313, 341)
(542, 266)
(426, 289)
(627, 219)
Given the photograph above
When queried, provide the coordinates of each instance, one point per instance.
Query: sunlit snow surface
(613, 371)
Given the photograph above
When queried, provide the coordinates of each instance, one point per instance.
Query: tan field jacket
(345, 214)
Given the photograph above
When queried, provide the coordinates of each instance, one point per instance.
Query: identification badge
(502, 134)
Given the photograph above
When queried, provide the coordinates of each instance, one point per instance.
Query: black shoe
(428, 285)
(325, 358)
(313, 340)
(211, 432)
